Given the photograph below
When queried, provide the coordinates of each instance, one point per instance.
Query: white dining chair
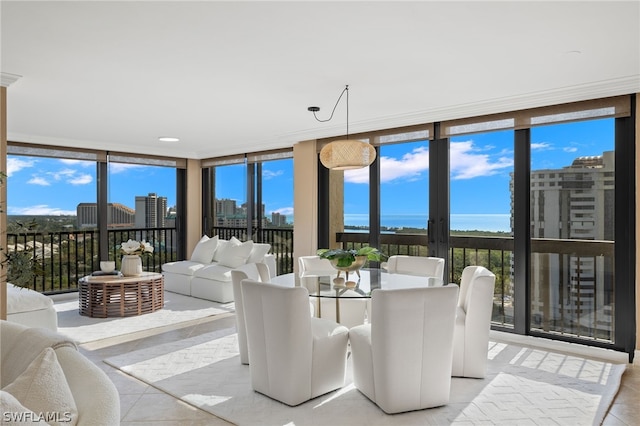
(416, 265)
(402, 358)
(293, 357)
(256, 272)
(473, 322)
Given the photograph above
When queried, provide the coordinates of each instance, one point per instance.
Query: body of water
(459, 222)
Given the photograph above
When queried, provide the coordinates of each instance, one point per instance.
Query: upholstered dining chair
(352, 310)
(293, 357)
(402, 358)
(473, 322)
(416, 265)
(256, 272)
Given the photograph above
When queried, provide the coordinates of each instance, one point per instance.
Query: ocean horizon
(458, 222)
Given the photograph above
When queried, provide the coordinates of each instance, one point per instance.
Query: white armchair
(292, 356)
(416, 265)
(256, 272)
(473, 322)
(402, 359)
(352, 310)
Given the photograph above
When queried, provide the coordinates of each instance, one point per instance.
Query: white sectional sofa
(44, 379)
(207, 274)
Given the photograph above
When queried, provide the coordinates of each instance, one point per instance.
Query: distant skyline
(480, 165)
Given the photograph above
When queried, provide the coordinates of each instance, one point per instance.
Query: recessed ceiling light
(168, 139)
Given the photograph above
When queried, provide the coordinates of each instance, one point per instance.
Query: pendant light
(345, 154)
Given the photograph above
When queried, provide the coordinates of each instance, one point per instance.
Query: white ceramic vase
(131, 265)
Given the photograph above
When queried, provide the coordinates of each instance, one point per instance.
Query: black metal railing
(65, 257)
(571, 280)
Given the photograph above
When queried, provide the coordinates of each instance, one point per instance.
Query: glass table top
(332, 286)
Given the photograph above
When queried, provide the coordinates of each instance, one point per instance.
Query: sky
(480, 165)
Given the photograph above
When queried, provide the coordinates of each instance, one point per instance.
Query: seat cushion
(214, 272)
(183, 267)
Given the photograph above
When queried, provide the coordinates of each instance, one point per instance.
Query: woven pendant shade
(347, 155)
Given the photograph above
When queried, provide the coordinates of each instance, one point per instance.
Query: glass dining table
(358, 287)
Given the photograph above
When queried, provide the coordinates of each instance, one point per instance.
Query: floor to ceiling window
(573, 229)
(45, 190)
(480, 212)
(404, 193)
(142, 204)
(84, 203)
(544, 198)
(251, 197)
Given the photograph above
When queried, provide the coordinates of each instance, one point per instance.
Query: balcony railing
(65, 257)
(571, 280)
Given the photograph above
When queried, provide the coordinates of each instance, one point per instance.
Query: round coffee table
(111, 296)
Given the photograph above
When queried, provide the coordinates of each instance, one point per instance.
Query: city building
(151, 211)
(118, 215)
(574, 203)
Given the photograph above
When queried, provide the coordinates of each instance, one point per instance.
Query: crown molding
(7, 79)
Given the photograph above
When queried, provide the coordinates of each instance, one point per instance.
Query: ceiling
(235, 77)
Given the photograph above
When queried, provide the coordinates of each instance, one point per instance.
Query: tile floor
(142, 404)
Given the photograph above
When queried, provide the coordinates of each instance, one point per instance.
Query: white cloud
(284, 210)
(37, 180)
(410, 166)
(39, 210)
(14, 165)
(570, 149)
(82, 163)
(542, 146)
(268, 174)
(115, 168)
(80, 180)
(64, 173)
(468, 163)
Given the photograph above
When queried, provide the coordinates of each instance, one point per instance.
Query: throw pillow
(206, 247)
(222, 246)
(236, 253)
(14, 413)
(258, 252)
(43, 388)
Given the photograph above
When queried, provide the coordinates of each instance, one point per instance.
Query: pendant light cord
(312, 109)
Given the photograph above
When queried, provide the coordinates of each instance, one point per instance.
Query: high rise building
(118, 215)
(151, 211)
(573, 203)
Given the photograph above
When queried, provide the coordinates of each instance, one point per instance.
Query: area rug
(177, 308)
(523, 386)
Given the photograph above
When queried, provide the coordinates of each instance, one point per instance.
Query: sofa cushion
(43, 388)
(215, 272)
(183, 267)
(204, 250)
(25, 300)
(236, 253)
(258, 252)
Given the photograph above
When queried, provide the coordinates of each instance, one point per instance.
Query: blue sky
(480, 167)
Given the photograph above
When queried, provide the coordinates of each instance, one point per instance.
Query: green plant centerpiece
(350, 260)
